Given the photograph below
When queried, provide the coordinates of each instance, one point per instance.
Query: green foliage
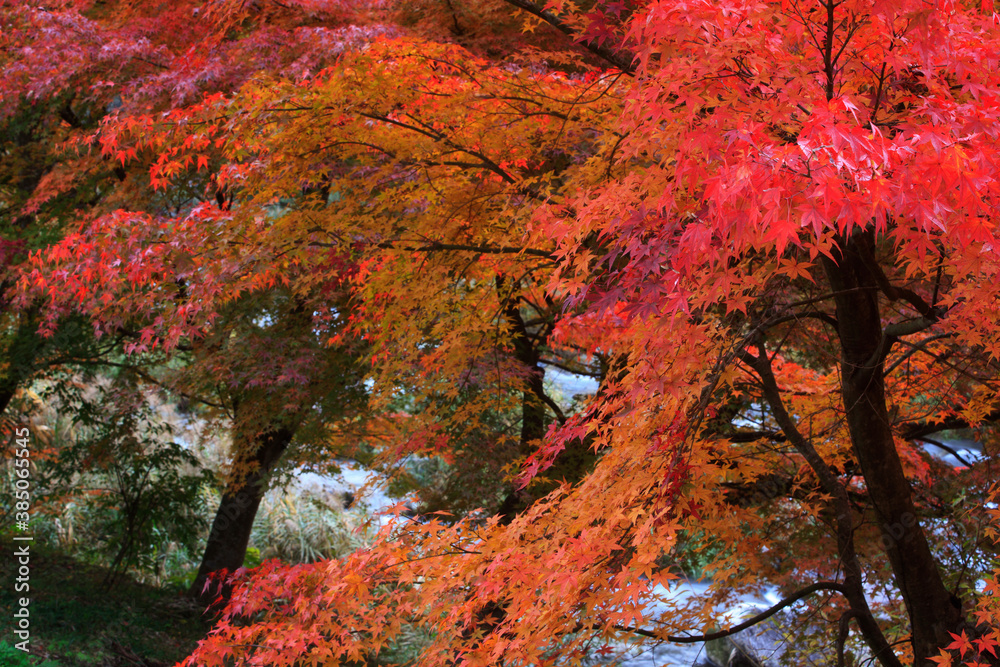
(13, 657)
(694, 554)
(407, 648)
(252, 558)
(135, 494)
(302, 527)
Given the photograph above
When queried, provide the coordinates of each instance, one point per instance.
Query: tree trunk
(932, 610)
(533, 415)
(230, 534)
(20, 357)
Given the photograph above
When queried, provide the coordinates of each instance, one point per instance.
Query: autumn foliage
(767, 229)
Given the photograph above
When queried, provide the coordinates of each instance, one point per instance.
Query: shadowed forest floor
(77, 623)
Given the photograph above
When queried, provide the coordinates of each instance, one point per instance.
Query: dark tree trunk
(230, 534)
(20, 359)
(932, 610)
(533, 416)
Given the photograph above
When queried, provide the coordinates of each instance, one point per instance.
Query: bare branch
(948, 449)
(749, 623)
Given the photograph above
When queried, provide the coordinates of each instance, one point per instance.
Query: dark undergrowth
(74, 622)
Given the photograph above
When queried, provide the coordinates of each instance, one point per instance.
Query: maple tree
(114, 60)
(201, 294)
(767, 228)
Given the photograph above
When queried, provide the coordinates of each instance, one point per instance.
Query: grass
(75, 623)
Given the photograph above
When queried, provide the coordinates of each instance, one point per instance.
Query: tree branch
(484, 249)
(557, 23)
(845, 626)
(839, 507)
(556, 410)
(763, 616)
(919, 430)
(435, 246)
(893, 292)
(794, 317)
(753, 436)
(948, 449)
(569, 369)
(914, 348)
(148, 378)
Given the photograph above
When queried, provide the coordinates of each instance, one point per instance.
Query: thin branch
(827, 296)
(148, 378)
(557, 23)
(483, 249)
(749, 623)
(435, 246)
(753, 436)
(919, 430)
(569, 369)
(556, 410)
(845, 626)
(946, 448)
(914, 348)
(794, 317)
(839, 506)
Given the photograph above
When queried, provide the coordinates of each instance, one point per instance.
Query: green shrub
(13, 657)
(131, 495)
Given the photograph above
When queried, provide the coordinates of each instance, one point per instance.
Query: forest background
(320, 231)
